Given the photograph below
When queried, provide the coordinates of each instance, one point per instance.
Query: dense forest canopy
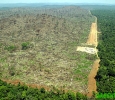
(106, 75)
(98, 7)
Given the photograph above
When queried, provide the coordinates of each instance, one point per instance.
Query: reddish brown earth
(47, 88)
(16, 82)
(91, 78)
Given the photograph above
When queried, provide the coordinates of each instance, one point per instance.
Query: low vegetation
(25, 45)
(10, 48)
(38, 45)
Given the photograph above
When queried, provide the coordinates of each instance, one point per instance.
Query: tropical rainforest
(106, 50)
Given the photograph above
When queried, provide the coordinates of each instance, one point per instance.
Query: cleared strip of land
(92, 39)
(87, 50)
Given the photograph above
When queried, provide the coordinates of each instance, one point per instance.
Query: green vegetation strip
(23, 92)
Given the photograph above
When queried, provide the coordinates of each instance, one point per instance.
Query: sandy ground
(92, 39)
(87, 50)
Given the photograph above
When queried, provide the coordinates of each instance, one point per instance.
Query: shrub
(10, 48)
(25, 45)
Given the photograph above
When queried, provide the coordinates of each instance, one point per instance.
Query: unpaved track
(92, 40)
(91, 78)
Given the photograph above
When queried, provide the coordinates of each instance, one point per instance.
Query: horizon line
(58, 3)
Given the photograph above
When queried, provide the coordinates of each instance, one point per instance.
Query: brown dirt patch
(47, 88)
(16, 82)
(91, 78)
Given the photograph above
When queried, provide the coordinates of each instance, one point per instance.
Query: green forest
(23, 92)
(106, 50)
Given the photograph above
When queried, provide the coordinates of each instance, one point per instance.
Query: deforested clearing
(38, 45)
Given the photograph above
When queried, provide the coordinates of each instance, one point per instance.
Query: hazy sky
(60, 1)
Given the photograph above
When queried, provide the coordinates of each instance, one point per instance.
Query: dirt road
(92, 39)
(91, 78)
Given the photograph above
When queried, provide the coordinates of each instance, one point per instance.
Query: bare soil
(92, 39)
(38, 86)
(87, 50)
(16, 82)
(91, 78)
